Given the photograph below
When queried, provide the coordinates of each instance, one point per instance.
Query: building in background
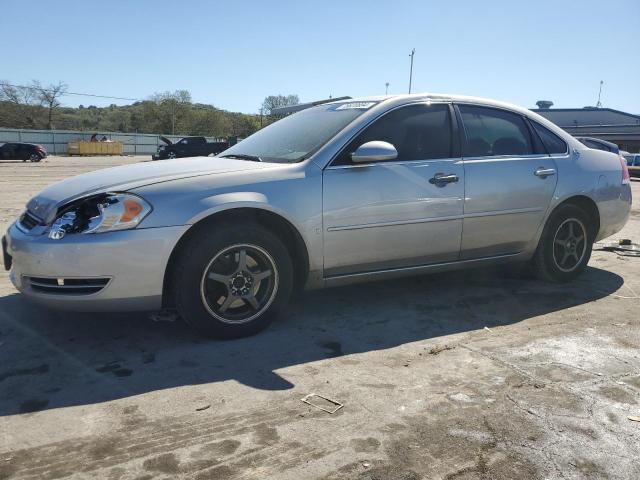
(608, 124)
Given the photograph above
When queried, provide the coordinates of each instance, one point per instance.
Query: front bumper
(131, 263)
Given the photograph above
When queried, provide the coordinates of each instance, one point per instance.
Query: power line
(75, 93)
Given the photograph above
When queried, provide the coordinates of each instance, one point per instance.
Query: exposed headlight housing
(103, 213)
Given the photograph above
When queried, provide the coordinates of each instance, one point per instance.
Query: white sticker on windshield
(356, 105)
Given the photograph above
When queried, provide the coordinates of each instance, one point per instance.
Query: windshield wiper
(242, 156)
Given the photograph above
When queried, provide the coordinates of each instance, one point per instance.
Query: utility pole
(386, 88)
(599, 104)
(413, 51)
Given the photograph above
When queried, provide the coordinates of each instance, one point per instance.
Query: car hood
(127, 177)
(165, 140)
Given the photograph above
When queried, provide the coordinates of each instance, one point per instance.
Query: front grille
(67, 286)
(28, 221)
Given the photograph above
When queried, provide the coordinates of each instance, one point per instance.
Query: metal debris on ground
(203, 407)
(335, 406)
(488, 329)
(623, 247)
(440, 348)
(634, 419)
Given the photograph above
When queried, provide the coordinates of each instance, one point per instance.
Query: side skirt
(339, 280)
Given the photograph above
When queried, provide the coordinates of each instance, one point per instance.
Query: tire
(34, 158)
(171, 155)
(565, 245)
(213, 291)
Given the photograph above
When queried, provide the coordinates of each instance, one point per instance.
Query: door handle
(441, 180)
(544, 172)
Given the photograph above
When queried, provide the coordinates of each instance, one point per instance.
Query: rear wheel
(232, 280)
(565, 246)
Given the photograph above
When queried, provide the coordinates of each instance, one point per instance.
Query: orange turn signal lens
(131, 210)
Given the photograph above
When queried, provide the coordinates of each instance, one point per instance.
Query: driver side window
(418, 132)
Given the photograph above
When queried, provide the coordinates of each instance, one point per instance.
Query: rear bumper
(131, 265)
(614, 212)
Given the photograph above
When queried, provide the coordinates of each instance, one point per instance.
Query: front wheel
(565, 245)
(34, 158)
(232, 281)
(171, 155)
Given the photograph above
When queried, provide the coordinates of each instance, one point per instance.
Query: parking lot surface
(468, 375)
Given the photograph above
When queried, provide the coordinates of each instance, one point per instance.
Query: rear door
(509, 181)
(394, 214)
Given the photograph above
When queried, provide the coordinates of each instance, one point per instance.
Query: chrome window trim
(393, 162)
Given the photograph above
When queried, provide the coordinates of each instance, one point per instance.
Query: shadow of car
(66, 359)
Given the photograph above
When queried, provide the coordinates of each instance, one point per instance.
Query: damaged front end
(99, 214)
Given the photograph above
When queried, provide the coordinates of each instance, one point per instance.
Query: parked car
(633, 163)
(22, 151)
(364, 189)
(599, 144)
(188, 147)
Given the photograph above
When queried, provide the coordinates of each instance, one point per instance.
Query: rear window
(552, 142)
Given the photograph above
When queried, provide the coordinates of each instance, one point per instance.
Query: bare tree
(277, 101)
(49, 97)
(19, 110)
(16, 94)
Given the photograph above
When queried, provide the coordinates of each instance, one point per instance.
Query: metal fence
(55, 141)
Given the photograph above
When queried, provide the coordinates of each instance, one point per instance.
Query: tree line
(36, 106)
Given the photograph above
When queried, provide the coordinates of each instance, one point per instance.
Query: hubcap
(239, 283)
(569, 244)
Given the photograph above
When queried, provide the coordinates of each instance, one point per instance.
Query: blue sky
(233, 54)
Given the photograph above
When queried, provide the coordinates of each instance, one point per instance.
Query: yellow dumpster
(94, 148)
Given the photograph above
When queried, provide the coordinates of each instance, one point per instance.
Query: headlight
(104, 213)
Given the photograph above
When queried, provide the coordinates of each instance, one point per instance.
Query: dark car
(599, 144)
(189, 147)
(22, 151)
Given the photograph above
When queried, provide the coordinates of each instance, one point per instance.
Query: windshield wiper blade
(242, 156)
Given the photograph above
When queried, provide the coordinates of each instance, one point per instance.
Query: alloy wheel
(239, 283)
(569, 244)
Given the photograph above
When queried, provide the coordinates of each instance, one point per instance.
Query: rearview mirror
(376, 151)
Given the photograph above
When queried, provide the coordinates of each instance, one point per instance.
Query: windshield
(297, 136)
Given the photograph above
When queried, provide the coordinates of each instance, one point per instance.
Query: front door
(509, 182)
(395, 214)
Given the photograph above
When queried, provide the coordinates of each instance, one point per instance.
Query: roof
(589, 116)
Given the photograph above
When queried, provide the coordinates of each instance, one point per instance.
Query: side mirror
(376, 151)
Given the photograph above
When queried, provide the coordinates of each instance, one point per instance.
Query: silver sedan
(343, 192)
